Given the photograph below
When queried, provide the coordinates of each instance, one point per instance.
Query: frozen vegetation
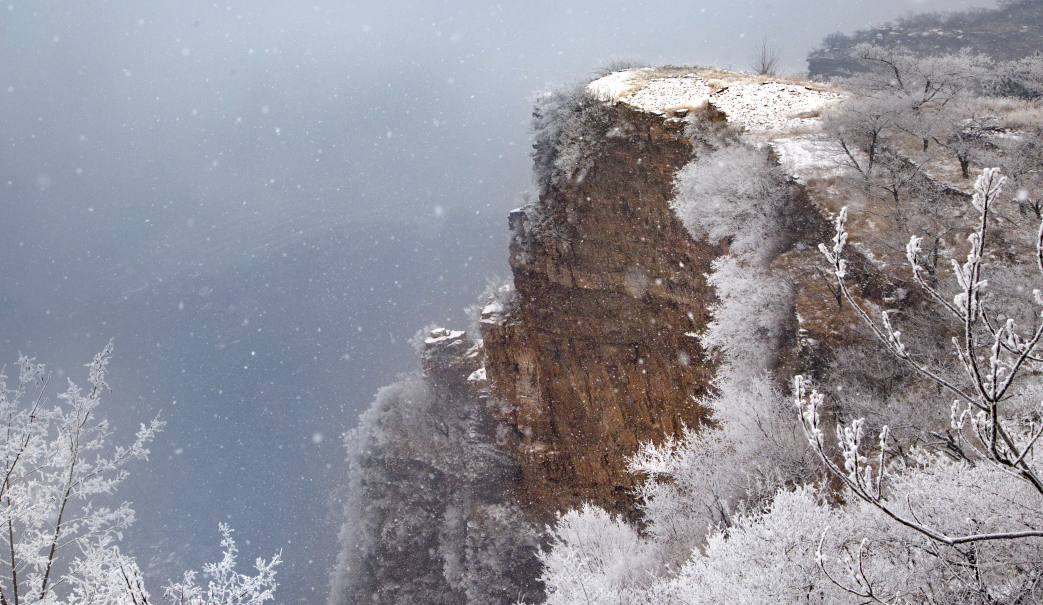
(62, 534)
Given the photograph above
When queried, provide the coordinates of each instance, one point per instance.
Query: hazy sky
(261, 202)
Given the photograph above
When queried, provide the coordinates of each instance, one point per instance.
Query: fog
(261, 203)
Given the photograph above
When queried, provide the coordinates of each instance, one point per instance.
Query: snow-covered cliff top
(761, 106)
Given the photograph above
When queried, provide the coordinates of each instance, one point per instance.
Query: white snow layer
(772, 105)
(670, 93)
(759, 107)
(615, 85)
(811, 155)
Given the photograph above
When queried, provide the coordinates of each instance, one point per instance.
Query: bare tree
(767, 58)
(895, 179)
(922, 88)
(962, 130)
(861, 126)
(1022, 161)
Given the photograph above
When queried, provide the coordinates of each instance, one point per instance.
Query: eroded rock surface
(600, 354)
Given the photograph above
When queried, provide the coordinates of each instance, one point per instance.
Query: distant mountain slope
(1013, 31)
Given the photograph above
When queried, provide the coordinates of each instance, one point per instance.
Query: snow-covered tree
(1021, 158)
(60, 542)
(1021, 78)
(595, 557)
(862, 125)
(921, 87)
(733, 193)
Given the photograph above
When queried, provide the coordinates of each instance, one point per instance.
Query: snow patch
(773, 105)
(666, 94)
(808, 156)
(616, 85)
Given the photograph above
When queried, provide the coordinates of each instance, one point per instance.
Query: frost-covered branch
(981, 417)
(227, 586)
(858, 473)
(58, 545)
(860, 585)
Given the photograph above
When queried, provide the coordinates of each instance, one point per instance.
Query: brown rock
(599, 355)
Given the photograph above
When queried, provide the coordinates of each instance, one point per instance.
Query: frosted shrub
(733, 194)
(595, 558)
(499, 559)
(764, 557)
(749, 316)
(688, 491)
(1021, 78)
(225, 585)
(569, 128)
(426, 517)
(697, 483)
(395, 502)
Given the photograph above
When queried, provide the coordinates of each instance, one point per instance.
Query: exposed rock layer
(600, 353)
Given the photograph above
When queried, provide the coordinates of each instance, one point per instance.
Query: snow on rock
(772, 105)
(441, 336)
(665, 94)
(492, 308)
(617, 84)
(758, 106)
(492, 314)
(637, 88)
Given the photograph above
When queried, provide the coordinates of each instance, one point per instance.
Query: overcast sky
(262, 202)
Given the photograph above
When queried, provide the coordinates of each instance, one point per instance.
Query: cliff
(599, 355)
(600, 352)
(594, 348)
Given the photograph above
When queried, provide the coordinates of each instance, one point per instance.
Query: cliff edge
(592, 350)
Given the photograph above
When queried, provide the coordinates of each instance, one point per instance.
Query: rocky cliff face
(431, 516)
(592, 351)
(598, 355)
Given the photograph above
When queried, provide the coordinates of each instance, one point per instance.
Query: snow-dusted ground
(772, 106)
(761, 107)
(671, 93)
(785, 116)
